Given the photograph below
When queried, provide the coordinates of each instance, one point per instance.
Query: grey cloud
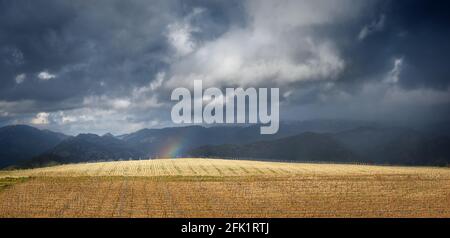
(111, 65)
(375, 26)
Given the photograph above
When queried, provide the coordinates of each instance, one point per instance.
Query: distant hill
(154, 142)
(316, 140)
(396, 145)
(20, 143)
(368, 144)
(84, 148)
(28, 142)
(307, 146)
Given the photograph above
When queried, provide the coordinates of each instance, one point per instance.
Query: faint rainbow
(173, 147)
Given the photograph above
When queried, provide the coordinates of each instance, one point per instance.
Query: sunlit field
(224, 188)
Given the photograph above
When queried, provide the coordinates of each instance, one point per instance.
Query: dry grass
(222, 188)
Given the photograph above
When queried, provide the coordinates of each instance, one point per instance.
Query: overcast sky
(110, 65)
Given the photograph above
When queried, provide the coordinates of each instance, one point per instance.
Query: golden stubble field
(224, 188)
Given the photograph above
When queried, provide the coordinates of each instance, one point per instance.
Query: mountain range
(307, 146)
(20, 143)
(315, 140)
(372, 145)
(86, 148)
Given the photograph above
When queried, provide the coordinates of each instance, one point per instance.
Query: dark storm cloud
(425, 43)
(108, 64)
(92, 47)
(396, 66)
(79, 57)
(416, 31)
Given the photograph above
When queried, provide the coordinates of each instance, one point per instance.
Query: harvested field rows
(220, 168)
(220, 188)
